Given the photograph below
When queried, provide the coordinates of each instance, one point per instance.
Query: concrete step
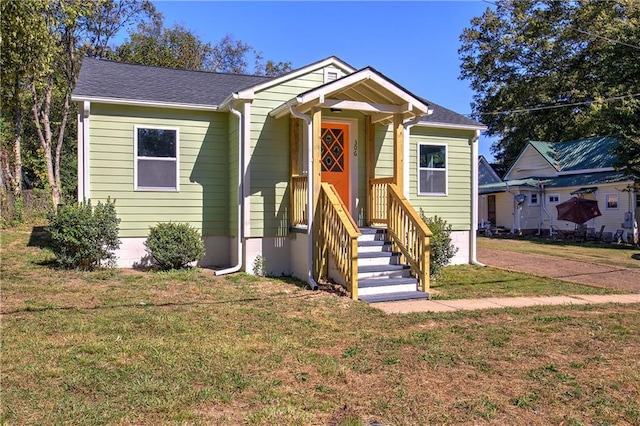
(386, 286)
(391, 297)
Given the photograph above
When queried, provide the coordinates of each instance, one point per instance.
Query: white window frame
(606, 201)
(446, 170)
(553, 195)
(176, 159)
(531, 202)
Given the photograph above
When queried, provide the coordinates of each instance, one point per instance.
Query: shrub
(174, 245)
(442, 250)
(83, 236)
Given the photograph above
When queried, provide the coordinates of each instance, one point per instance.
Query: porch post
(319, 247)
(294, 145)
(370, 167)
(398, 150)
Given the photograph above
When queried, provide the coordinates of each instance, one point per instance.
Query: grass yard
(127, 347)
(624, 255)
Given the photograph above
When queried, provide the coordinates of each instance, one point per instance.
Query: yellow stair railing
(378, 199)
(338, 237)
(409, 235)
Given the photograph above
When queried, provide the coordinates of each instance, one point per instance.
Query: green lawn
(125, 347)
(625, 255)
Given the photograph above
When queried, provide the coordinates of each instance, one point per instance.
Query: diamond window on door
(332, 150)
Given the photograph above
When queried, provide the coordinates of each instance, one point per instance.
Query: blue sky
(415, 43)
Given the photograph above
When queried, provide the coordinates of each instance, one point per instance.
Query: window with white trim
(156, 158)
(611, 201)
(553, 198)
(432, 169)
(533, 199)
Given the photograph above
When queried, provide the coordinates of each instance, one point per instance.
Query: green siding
(455, 207)
(269, 162)
(203, 199)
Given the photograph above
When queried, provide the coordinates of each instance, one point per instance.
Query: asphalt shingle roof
(118, 80)
(446, 116)
(582, 154)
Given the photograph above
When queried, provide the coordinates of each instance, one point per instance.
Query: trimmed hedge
(174, 245)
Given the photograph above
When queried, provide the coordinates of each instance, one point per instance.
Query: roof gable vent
(331, 74)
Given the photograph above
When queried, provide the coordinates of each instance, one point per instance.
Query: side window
(533, 200)
(553, 198)
(156, 159)
(611, 201)
(432, 169)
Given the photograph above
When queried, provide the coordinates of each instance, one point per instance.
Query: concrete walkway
(422, 305)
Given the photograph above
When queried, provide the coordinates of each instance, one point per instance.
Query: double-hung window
(156, 159)
(432, 169)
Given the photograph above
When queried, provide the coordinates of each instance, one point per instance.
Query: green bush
(174, 245)
(441, 248)
(83, 236)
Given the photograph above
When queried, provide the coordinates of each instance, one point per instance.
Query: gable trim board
(255, 200)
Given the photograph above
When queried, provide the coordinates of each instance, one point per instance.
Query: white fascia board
(583, 171)
(283, 109)
(249, 93)
(451, 126)
(136, 102)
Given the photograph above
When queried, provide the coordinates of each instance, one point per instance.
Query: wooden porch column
(398, 149)
(370, 163)
(294, 145)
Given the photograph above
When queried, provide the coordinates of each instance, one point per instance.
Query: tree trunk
(16, 181)
(41, 110)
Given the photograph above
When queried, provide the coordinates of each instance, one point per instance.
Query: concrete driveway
(574, 271)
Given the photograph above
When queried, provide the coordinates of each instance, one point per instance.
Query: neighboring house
(547, 174)
(234, 156)
(486, 175)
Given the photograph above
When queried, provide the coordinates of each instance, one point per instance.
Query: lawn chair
(581, 234)
(598, 236)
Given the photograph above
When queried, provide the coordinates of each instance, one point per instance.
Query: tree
(178, 47)
(550, 70)
(23, 39)
(43, 42)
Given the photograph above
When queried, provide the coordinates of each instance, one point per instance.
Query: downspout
(544, 207)
(312, 283)
(407, 142)
(473, 234)
(239, 263)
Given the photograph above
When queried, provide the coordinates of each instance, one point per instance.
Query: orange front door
(334, 158)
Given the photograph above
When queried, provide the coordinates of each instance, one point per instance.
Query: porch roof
(365, 90)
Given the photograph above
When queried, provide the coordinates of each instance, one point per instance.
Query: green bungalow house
(321, 172)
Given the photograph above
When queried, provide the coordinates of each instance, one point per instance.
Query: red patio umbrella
(578, 210)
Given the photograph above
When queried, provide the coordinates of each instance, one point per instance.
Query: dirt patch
(586, 273)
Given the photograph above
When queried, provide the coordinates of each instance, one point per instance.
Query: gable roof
(444, 117)
(382, 96)
(486, 173)
(583, 154)
(121, 82)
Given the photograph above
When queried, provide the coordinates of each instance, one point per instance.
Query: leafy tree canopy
(556, 70)
(178, 47)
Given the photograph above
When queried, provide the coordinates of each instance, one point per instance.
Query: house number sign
(355, 148)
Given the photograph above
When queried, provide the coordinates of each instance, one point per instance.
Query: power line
(608, 39)
(540, 108)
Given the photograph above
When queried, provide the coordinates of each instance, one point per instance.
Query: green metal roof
(582, 154)
(567, 181)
